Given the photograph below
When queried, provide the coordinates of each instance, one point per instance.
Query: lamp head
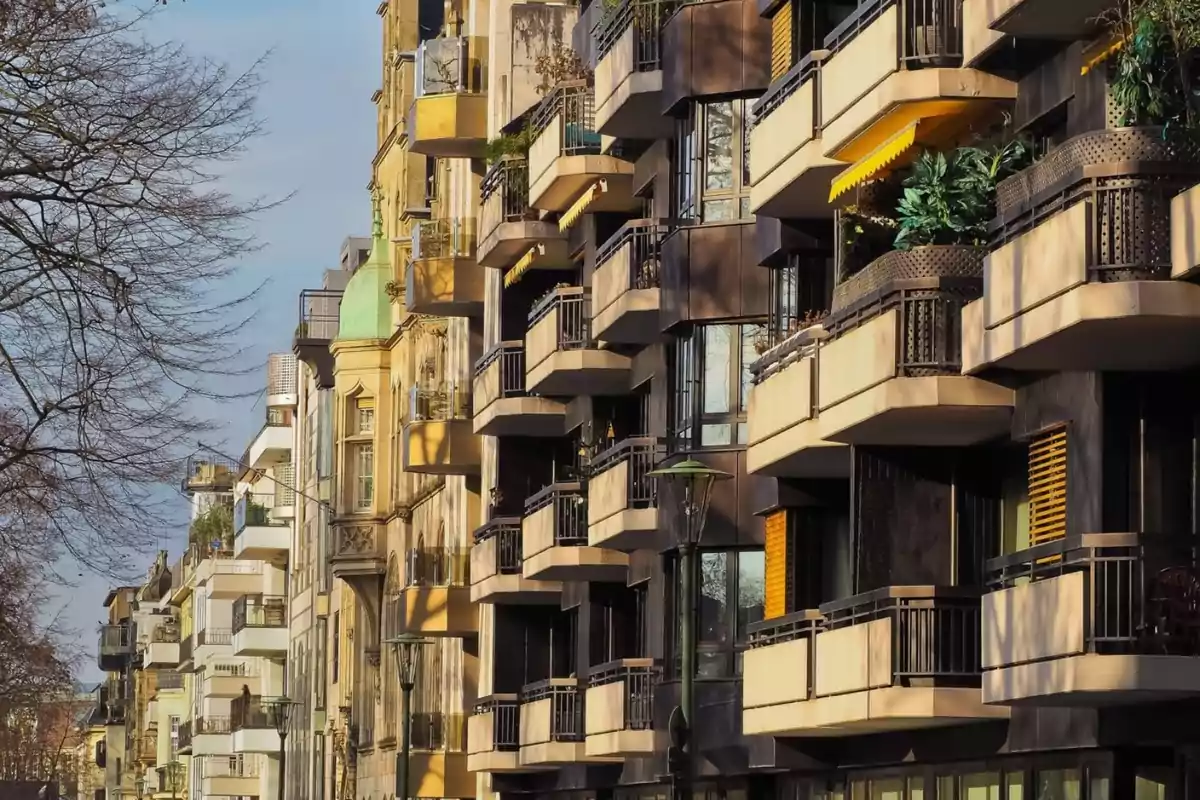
(406, 649)
(687, 485)
(279, 712)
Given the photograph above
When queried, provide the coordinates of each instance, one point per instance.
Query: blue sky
(320, 138)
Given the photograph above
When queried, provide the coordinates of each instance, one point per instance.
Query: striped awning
(577, 209)
(523, 265)
(1101, 51)
(877, 163)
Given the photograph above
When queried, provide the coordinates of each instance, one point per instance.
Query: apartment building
(917, 274)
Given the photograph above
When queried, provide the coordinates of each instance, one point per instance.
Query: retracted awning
(577, 209)
(523, 265)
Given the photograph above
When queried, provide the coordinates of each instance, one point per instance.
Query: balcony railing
(574, 307)
(506, 720)
(247, 713)
(641, 452)
(645, 238)
(931, 32)
(1139, 589)
(165, 634)
(566, 707)
(445, 66)
(506, 185)
(319, 314)
(116, 640)
(438, 566)
(259, 611)
(570, 106)
(511, 356)
(214, 636)
(439, 732)
(783, 88)
(437, 403)
(647, 18)
(639, 690)
(507, 533)
(212, 725)
(254, 510)
(170, 679)
(442, 238)
(569, 504)
(236, 766)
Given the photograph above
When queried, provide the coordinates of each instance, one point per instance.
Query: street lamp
(279, 711)
(139, 787)
(405, 649)
(686, 486)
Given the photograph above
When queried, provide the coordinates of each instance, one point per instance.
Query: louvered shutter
(1048, 486)
(781, 40)
(776, 564)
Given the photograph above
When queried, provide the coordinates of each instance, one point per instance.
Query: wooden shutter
(776, 564)
(1048, 486)
(781, 40)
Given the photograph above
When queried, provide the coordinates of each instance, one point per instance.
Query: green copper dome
(366, 311)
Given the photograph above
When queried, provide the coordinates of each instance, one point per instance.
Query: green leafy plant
(509, 144)
(1154, 81)
(214, 525)
(256, 514)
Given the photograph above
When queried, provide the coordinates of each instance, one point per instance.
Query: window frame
(693, 197)
(724, 657)
(687, 359)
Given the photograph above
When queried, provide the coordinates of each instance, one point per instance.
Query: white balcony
(161, 655)
(271, 447)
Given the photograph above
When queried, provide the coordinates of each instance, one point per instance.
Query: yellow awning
(522, 266)
(572, 214)
(874, 163)
(1100, 52)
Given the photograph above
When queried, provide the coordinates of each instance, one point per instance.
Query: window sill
(387, 743)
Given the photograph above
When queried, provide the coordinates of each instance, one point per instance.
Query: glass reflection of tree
(718, 146)
(714, 589)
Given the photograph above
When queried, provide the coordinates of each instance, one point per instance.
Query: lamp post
(686, 486)
(279, 711)
(139, 788)
(405, 649)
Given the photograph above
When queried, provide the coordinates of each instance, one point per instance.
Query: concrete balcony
(628, 77)
(565, 160)
(1082, 278)
(271, 446)
(622, 501)
(501, 405)
(1094, 620)
(228, 578)
(493, 740)
(443, 279)
(258, 534)
(562, 357)
(895, 357)
(211, 643)
(496, 574)
(626, 284)
(226, 679)
(438, 435)
(1040, 19)
(551, 723)
(448, 117)
(509, 228)
(231, 777)
(211, 736)
(251, 728)
(162, 651)
(554, 539)
(899, 658)
(260, 626)
(620, 709)
(437, 597)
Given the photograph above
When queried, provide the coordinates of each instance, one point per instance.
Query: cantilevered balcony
(1081, 277)
(554, 539)
(260, 626)
(318, 326)
(625, 285)
(899, 658)
(501, 404)
(443, 279)
(622, 500)
(448, 117)
(509, 229)
(620, 709)
(551, 723)
(893, 351)
(1096, 619)
(210, 736)
(496, 574)
(437, 594)
(628, 74)
(227, 578)
(162, 651)
(359, 551)
(115, 648)
(493, 735)
(438, 436)
(252, 729)
(566, 169)
(562, 357)
(258, 534)
(1041, 19)
(225, 679)
(211, 642)
(272, 445)
(231, 776)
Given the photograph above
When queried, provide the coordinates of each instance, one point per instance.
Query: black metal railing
(573, 305)
(169, 679)
(319, 314)
(437, 566)
(645, 238)
(803, 624)
(571, 107)
(442, 403)
(641, 453)
(506, 720)
(639, 676)
(511, 355)
(439, 732)
(931, 31)
(935, 630)
(786, 85)
(259, 611)
(506, 531)
(253, 509)
(566, 706)
(506, 183)
(212, 636)
(647, 18)
(568, 502)
(1141, 591)
(246, 712)
(213, 725)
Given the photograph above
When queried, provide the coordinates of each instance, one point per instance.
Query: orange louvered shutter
(781, 40)
(1048, 486)
(776, 566)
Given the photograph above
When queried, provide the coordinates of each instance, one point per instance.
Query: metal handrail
(259, 611)
(642, 453)
(645, 236)
(572, 103)
(507, 533)
(511, 354)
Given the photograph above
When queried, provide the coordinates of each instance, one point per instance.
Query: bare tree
(117, 317)
(34, 662)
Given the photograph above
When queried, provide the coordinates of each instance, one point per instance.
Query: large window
(800, 293)
(731, 594)
(712, 162)
(363, 460)
(710, 374)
